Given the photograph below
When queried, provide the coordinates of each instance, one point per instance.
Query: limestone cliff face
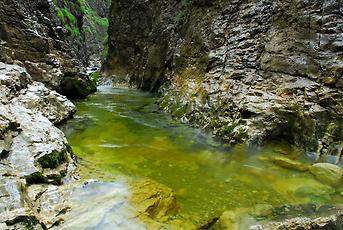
(252, 71)
(95, 27)
(31, 35)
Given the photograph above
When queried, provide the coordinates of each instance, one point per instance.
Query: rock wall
(86, 24)
(31, 35)
(95, 28)
(251, 71)
(35, 159)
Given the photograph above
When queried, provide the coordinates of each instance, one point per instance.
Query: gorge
(223, 114)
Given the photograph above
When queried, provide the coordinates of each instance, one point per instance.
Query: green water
(120, 132)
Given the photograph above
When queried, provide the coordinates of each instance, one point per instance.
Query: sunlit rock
(33, 153)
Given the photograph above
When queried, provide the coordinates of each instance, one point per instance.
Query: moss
(86, 89)
(60, 15)
(36, 178)
(55, 179)
(30, 222)
(184, 10)
(52, 160)
(95, 76)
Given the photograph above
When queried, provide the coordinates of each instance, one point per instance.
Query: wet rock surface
(251, 71)
(304, 216)
(331, 222)
(123, 204)
(327, 173)
(35, 156)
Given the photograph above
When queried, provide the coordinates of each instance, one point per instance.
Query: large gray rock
(330, 222)
(34, 154)
(52, 105)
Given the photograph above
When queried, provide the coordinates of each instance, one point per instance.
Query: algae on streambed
(120, 132)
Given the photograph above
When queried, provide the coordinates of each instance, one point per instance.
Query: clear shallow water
(119, 132)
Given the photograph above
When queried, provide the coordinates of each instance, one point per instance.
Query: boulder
(52, 105)
(288, 163)
(327, 173)
(153, 199)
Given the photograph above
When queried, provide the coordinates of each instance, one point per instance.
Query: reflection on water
(119, 132)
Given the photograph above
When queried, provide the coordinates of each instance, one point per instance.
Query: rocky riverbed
(40, 186)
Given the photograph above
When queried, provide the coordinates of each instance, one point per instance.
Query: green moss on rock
(36, 178)
(52, 160)
(77, 87)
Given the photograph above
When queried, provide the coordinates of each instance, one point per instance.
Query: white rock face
(34, 154)
(51, 104)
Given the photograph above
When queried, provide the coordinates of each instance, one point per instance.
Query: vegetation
(52, 160)
(36, 178)
(95, 76)
(105, 44)
(182, 14)
(67, 18)
(84, 24)
(67, 12)
(92, 17)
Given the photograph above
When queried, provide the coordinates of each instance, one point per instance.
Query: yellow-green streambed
(120, 132)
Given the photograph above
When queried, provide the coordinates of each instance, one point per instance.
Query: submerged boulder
(288, 163)
(153, 199)
(142, 204)
(328, 173)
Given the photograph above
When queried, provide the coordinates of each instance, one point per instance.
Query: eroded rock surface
(251, 71)
(35, 157)
(32, 36)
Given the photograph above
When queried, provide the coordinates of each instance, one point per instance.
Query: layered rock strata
(252, 72)
(31, 35)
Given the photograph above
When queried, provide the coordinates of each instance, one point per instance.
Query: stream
(120, 133)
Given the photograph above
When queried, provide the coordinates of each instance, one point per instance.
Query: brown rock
(153, 199)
